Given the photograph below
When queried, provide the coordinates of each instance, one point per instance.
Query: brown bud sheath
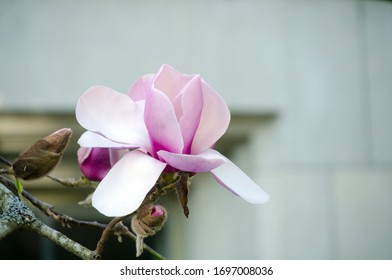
(41, 157)
(182, 189)
(148, 220)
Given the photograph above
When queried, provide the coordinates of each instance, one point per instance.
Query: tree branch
(62, 240)
(11, 222)
(119, 229)
(16, 215)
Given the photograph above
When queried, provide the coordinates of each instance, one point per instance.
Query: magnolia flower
(169, 122)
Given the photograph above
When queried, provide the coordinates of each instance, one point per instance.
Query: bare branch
(118, 229)
(115, 227)
(15, 215)
(62, 240)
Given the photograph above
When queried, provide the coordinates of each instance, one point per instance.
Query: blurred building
(310, 93)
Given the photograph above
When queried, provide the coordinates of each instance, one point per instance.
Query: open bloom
(169, 121)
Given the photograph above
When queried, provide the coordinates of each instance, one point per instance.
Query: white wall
(328, 159)
(322, 66)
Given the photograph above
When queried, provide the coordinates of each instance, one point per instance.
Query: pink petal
(170, 81)
(203, 162)
(235, 180)
(113, 115)
(139, 89)
(192, 106)
(162, 124)
(94, 163)
(214, 120)
(125, 186)
(178, 106)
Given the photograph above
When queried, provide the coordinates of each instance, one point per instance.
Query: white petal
(125, 186)
(114, 115)
(203, 162)
(94, 140)
(235, 180)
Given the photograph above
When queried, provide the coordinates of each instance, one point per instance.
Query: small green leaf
(19, 187)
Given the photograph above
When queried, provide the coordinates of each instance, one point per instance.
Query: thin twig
(71, 182)
(8, 183)
(5, 161)
(5, 171)
(105, 235)
(116, 227)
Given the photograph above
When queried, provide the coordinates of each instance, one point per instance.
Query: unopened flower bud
(41, 157)
(94, 163)
(146, 222)
(149, 219)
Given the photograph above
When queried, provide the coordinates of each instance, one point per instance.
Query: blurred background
(309, 87)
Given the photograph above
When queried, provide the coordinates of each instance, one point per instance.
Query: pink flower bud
(149, 220)
(158, 211)
(94, 163)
